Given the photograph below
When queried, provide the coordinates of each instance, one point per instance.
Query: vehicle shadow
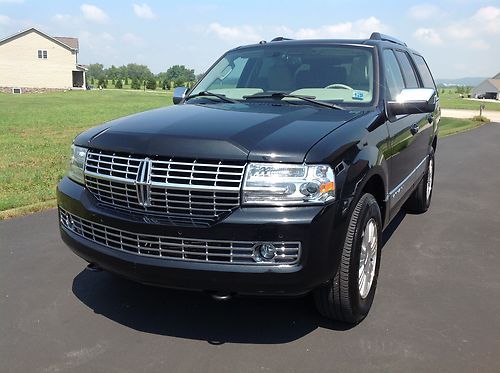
(392, 227)
(195, 315)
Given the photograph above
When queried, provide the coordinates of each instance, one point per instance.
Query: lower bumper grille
(175, 248)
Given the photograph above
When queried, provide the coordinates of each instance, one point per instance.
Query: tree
(180, 73)
(126, 80)
(180, 82)
(140, 72)
(119, 84)
(136, 84)
(151, 83)
(96, 71)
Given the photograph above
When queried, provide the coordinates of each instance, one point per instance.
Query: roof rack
(383, 37)
(280, 38)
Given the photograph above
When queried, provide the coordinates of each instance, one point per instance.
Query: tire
(420, 200)
(341, 298)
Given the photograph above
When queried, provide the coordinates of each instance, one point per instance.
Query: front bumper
(319, 229)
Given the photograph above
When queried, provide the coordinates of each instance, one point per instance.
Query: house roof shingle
(495, 82)
(70, 42)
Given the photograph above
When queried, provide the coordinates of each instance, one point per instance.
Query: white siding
(21, 67)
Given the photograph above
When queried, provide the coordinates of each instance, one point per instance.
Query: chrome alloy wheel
(430, 171)
(368, 258)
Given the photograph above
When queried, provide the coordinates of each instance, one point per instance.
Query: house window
(42, 54)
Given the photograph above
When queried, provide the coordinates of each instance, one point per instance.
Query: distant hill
(470, 81)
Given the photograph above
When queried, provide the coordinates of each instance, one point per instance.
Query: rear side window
(407, 69)
(424, 71)
(393, 77)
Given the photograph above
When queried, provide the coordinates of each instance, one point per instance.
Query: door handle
(414, 129)
(430, 118)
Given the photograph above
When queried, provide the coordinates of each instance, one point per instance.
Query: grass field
(450, 126)
(36, 131)
(451, 100)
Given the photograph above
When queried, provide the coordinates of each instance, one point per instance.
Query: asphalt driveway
(437, 306)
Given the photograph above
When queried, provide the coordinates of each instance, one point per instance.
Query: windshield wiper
(282, 95)
(211, 94)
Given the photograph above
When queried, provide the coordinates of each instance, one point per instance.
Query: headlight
(287, 184)
(77, 164)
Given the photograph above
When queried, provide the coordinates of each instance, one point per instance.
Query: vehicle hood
(253, 131)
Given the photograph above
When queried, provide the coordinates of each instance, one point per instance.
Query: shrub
(102, 83)
(481, 118)
(136, 84)
(151, 84)
(126, 81)
(119, 84)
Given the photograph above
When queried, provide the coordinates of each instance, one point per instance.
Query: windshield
(332, 73)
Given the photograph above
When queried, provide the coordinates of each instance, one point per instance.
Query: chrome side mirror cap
(412, 101)
(179, 94)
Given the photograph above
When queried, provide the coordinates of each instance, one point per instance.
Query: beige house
(490, 88)
(32, 59)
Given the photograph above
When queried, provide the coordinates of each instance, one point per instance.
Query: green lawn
(451, 100)
(36, 131)
(450, 126)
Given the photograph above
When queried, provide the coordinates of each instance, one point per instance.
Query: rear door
(404, 154)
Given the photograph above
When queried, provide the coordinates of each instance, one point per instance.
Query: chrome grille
(198, 190)
(185, 249)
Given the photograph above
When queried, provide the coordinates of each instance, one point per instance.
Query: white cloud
(489, 18)
(107, 37)
(235, 34)
(428, 36)
(132, 39)
(479, 44)
(93, 13)
(5, 20)
(143, 11)
(62, 18)
(361, 28)
(472, 31)
(424, 11)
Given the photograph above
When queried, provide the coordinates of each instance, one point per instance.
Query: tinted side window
(408, 73)
(393, 78)
(424, 71)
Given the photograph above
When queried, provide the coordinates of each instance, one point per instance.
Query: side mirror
(412, 101)
(179, 94)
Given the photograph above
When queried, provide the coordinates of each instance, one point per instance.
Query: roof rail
(280, 38)
(383, 37)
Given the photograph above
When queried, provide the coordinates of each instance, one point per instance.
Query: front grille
(192, 190)
(175, 248)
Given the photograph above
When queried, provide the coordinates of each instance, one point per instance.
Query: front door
(405, 134)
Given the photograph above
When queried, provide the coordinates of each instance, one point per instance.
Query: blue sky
(458, 37)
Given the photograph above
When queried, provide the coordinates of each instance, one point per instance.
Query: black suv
(274, 175)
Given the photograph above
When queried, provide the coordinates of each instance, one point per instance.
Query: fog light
(265, 252)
